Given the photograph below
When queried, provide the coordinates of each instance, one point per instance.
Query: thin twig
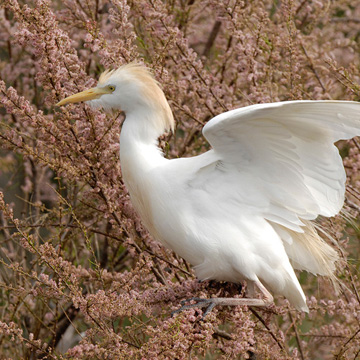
(298, 340)
(267, 328)
(213, 34)
(342, 349)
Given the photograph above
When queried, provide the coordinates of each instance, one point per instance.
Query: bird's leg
(212, 302)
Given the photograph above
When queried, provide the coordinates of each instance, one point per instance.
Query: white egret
(242, 210)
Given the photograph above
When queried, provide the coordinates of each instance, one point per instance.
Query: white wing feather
(277, 161)
(287, 149)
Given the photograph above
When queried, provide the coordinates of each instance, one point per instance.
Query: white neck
(139, 156)
(139, 151)
(142, 125)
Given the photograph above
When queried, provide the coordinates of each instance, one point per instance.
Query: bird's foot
(212, 302)
(199, 303)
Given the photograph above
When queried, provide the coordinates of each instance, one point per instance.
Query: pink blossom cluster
(80, 277)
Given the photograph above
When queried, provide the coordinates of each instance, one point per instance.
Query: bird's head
(129, 88)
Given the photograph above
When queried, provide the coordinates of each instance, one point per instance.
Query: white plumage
(243, 210)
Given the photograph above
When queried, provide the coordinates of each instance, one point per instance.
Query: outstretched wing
(287, 154)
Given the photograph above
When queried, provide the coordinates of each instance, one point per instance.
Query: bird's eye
(111, 88)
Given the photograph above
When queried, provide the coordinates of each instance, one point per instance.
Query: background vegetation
(80, 278)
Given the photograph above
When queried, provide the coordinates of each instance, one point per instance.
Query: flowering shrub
(80, 277)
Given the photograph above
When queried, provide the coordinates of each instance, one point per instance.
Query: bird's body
(242, 210)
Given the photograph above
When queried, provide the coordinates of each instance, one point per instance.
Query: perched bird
(242, 210)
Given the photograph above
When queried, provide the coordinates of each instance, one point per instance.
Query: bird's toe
(198, 303)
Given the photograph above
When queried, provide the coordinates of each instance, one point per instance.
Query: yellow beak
(86, 95)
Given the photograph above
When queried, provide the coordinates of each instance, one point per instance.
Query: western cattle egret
(242, 210)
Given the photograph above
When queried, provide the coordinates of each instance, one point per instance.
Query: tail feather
(296, 298)
(287, 285)
(308, 251)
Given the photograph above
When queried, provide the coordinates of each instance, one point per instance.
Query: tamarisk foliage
(80, 278)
